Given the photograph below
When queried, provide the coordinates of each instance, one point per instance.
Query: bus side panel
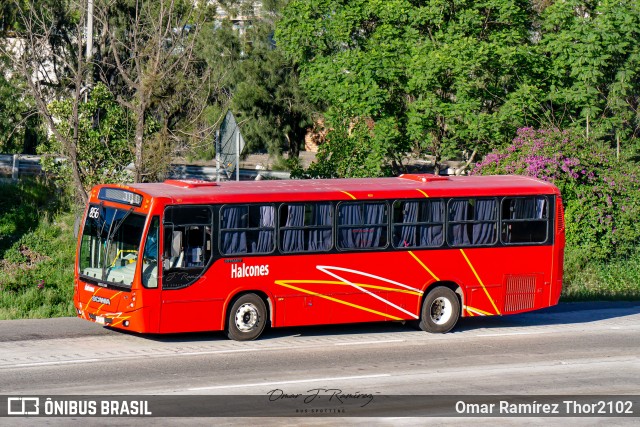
(191, 309)
(508, 280)
(346, 288)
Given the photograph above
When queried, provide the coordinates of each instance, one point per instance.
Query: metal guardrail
(20, 165)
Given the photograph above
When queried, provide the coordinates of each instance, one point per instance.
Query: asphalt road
(572, 349)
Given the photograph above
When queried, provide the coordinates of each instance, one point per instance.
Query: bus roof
(404, 186)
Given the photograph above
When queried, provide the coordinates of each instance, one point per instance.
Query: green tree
(593, 77)
(439, 78)
(254, 78)
(146, 57)
(105, 130)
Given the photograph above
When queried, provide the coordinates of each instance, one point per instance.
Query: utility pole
(89, 52)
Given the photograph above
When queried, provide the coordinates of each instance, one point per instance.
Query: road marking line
(61, 362)
(367, 342)
(290, 382)
(512, 333)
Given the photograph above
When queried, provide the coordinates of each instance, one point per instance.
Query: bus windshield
(110, 244)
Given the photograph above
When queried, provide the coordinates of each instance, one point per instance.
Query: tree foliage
(105, 130)
(254, 78)
(593, 70)
(437, 77)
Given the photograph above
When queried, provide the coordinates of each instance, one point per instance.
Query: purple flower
(41, 284)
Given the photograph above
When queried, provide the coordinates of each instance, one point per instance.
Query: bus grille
(560, 219)
(521, 291)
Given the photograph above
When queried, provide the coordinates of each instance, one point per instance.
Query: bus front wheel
(247, 318)
(440, 310)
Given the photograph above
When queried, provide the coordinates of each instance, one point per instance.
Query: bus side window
(362, 225)
(187, 244)
(418, 224)
(306, 227)
(247, 229)
(472, 222)
(524, 220)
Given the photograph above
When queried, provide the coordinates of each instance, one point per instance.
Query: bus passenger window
(472, 222)
(418, 224)
(362, 225)
(247, 229)
(524, 220)
(187, 244)
(306, 227)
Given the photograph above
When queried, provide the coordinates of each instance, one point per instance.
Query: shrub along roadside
(37, 250)
(618, 279)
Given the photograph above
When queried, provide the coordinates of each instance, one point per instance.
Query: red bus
(186, 256)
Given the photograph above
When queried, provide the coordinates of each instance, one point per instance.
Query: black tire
(440, 311)
(246, 318)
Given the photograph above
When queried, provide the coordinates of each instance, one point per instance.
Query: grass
(597, 280)
(37, 250)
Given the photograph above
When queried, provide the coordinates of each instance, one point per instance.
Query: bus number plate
(100, 319)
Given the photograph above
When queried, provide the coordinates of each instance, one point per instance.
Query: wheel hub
(441, 311)
(246, 317)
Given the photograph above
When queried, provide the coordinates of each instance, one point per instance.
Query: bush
(37, 250)
(601, 194)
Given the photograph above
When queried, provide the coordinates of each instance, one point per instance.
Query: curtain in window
(265, 235)
(320, 239)
(350, 214)
(293, 240)
(233, 242)
(484, 232)
(458, 212)
(432, 235)
(407, 236)
(370, 236)
(523, 209)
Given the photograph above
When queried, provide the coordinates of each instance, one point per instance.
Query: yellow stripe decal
(92, 295)
(335, 282)
(424, 266)
(477, 311)
(101, 305)
(480, 281)
(349, 194)
(286, 285)
(423, 193)
(119, 321)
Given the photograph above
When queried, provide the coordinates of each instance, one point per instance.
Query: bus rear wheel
(247, 318)
(440, 310)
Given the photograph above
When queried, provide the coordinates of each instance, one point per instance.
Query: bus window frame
(443, 201)
(280, 228)
(386, 224)
(496, 222)
(550, 206)
(212, 256)
(275, 249)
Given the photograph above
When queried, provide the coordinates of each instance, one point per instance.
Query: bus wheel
(440, 311)
(247, 318)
